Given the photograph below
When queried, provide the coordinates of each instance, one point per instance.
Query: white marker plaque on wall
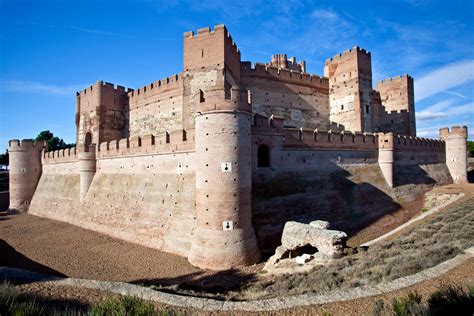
(226, 167)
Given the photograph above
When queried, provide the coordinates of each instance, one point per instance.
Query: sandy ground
(52, 247)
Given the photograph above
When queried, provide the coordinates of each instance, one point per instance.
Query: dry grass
(422, 247)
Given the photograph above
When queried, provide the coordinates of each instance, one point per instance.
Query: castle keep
(210, 163)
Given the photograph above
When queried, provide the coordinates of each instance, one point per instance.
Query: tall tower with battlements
(350, 89)
(102, 114)
(398, 105)
(224, 235)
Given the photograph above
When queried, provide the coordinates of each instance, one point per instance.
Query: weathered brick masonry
(210, 163)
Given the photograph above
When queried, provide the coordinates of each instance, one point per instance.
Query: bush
(123, 306)
(409, 305)
(453, 300)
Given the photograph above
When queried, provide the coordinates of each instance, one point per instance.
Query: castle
(210, 162)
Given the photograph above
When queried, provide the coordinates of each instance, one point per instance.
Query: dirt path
(52, 247)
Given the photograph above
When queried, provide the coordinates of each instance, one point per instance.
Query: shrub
(408, 305)
(378, 308)
(453, 300)
(124, 305)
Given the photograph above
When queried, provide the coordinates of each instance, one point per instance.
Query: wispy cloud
(445, 109)
(432, 131)
(456, 94)
(444, 78)
(90, 31)
(38, 87)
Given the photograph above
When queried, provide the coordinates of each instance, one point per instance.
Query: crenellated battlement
(60, 156)
(347, 53)
(107, 85)
(206, 31)
(395, 112)
(329, 140)
(302, 138)
(274, 73)
(164, 143)
(156, 87)
(401, 142)
(459, 131)
(25, 144)
(396, 78)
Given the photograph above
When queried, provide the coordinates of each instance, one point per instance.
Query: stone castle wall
(143, 194)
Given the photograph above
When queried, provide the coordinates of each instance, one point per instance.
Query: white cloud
(455, 93)
(86, 30)
(31, 86)
(444, 78)
(444, 109)
(325, 14)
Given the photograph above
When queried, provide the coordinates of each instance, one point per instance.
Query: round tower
(224, 237)
(456, 152)
(25, 172)
(87, 169)
(386, 158)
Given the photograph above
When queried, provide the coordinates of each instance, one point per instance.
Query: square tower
(211, 49)
(350, 89)
(101, 114)
(398, 102)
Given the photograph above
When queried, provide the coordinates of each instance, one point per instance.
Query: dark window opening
(263, 156)
(342, 107)
(201, 96)
(87, 141)
(367, 109)
(167, 137)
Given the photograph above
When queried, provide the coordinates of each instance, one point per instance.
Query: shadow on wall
(411, 174)
(349, 205)
(199, 283)
(11, 258)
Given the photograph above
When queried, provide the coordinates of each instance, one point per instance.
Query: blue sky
(51, 49)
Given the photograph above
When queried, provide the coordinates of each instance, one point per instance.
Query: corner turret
(224, 237)
(25, 172)
(456, 152)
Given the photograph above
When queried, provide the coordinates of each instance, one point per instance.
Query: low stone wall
(274, 304)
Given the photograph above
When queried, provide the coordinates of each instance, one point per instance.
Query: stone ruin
(305, 245)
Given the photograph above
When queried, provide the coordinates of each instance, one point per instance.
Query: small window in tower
(202, 52)
(201, 96)
(263, 156)
(391, 121)
(342, 107)
(167, 137)
(367, 109)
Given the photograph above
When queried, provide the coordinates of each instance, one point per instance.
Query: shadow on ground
(192, 283)
(12, 258)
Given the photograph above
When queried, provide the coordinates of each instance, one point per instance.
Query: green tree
(53, 142)
(4, 158)
(470, 148)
